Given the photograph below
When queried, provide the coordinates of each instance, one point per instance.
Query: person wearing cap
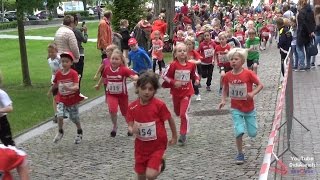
(68, 96)
(12, 158)
(65, 38)
(139, 58)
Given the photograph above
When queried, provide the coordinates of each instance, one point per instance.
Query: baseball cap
(68, 54)
(132, 41)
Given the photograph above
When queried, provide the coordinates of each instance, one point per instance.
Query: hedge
(82, 13)
(8, 25)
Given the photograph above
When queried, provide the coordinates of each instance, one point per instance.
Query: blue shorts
(244, 121)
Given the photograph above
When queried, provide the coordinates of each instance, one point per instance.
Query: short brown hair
(148, 77)
(67, 20)
(107, 14)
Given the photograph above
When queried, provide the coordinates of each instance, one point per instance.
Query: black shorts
(251, 62)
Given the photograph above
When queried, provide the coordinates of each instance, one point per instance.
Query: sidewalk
(306, 145)
(209, 153)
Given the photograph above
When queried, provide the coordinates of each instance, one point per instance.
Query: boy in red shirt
(238, 84)
(179, 76)
(146, 119)
(206, 49)
(68, 98)
(221, 55)
(12, 158)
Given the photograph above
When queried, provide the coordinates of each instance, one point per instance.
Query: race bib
(240, 38)
(156, 47)
(255, 47)
(62, 90)
(265, 34)
(147, 131)
(223, 58)
(182, 75)
(115, 87)
(238, 91)
(208, 53)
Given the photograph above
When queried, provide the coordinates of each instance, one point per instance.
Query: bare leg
(142, 177)
(152, 174)
(239, 144)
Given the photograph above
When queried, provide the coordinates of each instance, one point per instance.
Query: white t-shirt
(4, 101)
(55, 65)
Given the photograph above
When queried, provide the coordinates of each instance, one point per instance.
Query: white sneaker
(78, 139)
(58, 137)
(198, 97)
(84, 97)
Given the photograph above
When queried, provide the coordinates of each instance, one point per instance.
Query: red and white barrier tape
(264, 171)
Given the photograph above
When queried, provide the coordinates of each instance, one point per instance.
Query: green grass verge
(31, 105)
(50, 31)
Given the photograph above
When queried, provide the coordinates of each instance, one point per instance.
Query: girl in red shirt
(157, 54)
(264, 35)
(115, 77)
(238, 83)
(146, 119)
(179, 76)
(221, 55)
(206, 49)
(239, 34)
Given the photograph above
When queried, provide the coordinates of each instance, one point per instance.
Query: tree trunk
(84, 4)
(168, 5)
(23, 48)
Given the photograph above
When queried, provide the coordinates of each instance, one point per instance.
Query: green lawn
(50, 31)
(31, 105)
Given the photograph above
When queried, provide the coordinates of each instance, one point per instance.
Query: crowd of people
(226, 38)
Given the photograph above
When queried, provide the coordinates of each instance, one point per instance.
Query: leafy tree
(132, 10)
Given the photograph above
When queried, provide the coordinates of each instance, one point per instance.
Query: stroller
(167, 43)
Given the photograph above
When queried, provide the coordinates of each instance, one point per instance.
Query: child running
(253, 44)
(206, 49)
(115, 77)
(146, 119)
(238, 84)
(55, 65)
(179, 75)
(221, 55)
(139, 58)
(5, 107)
(68, 96)
(157, 55)
(106, 61)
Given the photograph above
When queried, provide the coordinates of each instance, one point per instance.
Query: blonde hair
(242, 53)
(118, 52)
(112, 47)
(176, 47)
(222, 34)
(123, 22)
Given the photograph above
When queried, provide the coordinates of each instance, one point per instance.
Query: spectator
(185, 8)
(287, 12)
(66, 40)
(142, 32)
(317, 31)
(124, 32)
(99, 12)
(104, 33)
(159, 25)
(82, 37)
(12, 158)
(305, 32)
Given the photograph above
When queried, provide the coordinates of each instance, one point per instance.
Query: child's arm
(134, 77)
(97, 86)
(224, 96)
(173, 131)
(147, 58)
(256, 90)
(98, 71)
(6, 109)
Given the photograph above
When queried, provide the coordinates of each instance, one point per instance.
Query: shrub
(8, 25)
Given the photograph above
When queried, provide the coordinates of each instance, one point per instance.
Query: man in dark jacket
(305, 32)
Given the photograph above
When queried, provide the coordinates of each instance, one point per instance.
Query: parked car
(3, 19)
(42, 14)
(10, 15)
(32, 17)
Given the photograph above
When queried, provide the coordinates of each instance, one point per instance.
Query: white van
(69, 6)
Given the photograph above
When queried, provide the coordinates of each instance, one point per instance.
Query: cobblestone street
(209, 153)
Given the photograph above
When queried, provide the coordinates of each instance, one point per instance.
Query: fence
(285, 100)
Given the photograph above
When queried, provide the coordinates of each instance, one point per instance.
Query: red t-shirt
(193, 54)
(240, 35)
(178, 40)
(184, 73)
(264, 31)
(271, 27)
(206, 49)
(239, 86)
(64, 96)
(157, 44)
(10, 158)
(116, 80)
(150, 119)
(221, 55)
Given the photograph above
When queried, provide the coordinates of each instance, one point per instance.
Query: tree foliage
(132, 10)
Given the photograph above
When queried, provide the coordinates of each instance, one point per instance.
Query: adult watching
(104, 33)
(65, 38)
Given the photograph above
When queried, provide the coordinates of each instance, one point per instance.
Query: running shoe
(240, 159)
(83, 96)
(182, 140)
(198, 97)
(208, 88)
(58, 137)
(78, 139)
